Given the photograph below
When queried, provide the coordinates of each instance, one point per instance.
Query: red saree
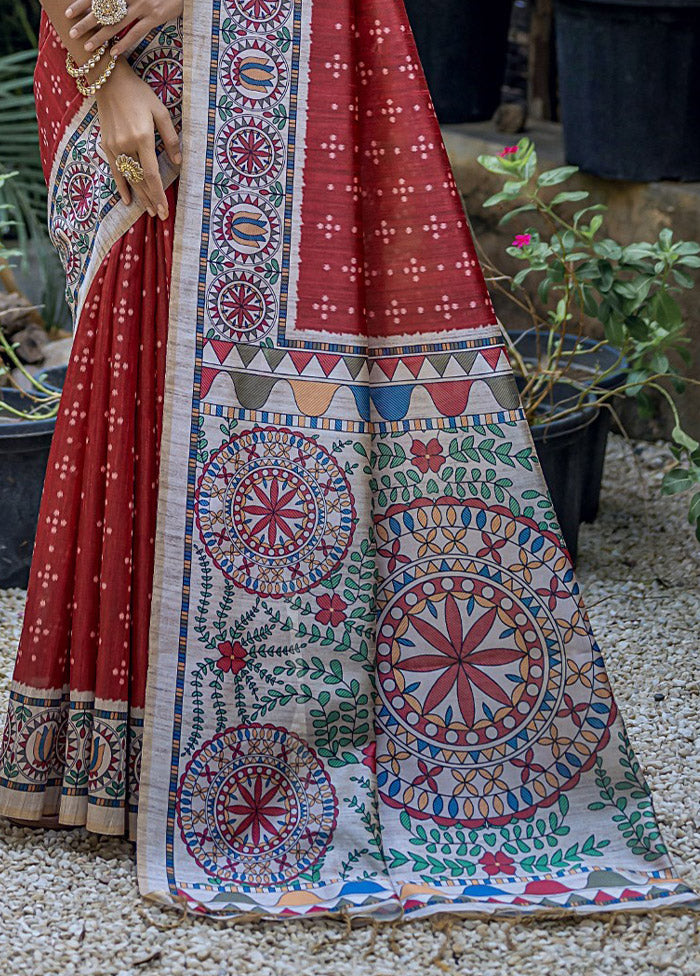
(349, 640)
(72, 737)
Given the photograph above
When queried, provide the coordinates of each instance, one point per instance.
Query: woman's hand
(130, 112)
(143, 15)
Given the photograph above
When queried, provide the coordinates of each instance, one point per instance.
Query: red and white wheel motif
(252, 151)
(241, 305)
(260, 15)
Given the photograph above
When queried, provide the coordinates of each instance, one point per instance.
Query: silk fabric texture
(363, 679)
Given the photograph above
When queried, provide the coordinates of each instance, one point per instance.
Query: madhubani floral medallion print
(388, 695)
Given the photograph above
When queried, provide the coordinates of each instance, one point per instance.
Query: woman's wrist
(121, 69)
(97, 77)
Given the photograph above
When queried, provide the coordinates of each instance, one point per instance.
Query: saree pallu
(372, 684)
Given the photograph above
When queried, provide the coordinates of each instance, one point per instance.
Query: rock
(15, 312)
(29, 343)
(57, 352)
(510, 117)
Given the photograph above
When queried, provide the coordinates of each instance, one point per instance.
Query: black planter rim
(25, 435)
(577, 420)
(613, 381)
(32, 432)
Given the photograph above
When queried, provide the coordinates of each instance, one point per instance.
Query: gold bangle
(88, 90)
(80, 70)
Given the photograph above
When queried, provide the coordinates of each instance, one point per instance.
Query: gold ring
(108, 12)
(130, 168)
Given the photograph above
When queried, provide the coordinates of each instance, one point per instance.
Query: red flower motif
(370, 754)
(508, 151)
(393, 555)
(462, 656)
(529, 769)
(232, 657)
(553, 593)
(490, 548)
(498, 863)
(332, 609)
(427, 457)
(522, 240)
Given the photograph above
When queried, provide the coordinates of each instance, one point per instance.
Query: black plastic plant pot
(596, 361)
(24, 454)
(463, 46)
(562, 447)
(629, 87)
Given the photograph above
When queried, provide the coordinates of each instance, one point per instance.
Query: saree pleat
(72, 741)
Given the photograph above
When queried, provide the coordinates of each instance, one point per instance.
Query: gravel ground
(70, 905)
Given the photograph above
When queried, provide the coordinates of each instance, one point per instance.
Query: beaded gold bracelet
(88, 90)
(80, 70)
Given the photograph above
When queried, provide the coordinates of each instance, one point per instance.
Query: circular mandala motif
(164, 75)
(275, 511)
(476, 692)
(242, 307)
(246, 228)
(81, 186)
(260, 15)
(251, 149)
(256, 806)
(469, 688)
(254, 73)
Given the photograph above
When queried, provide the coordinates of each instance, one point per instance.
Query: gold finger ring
(130, 168)
(108, 12)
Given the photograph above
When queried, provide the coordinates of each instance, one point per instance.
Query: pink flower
(232, 657)
(427, 457)
(508, 151)
(522, 240)
(498, 863)
(332, 609)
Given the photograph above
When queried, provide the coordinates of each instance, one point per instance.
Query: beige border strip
(172, 491)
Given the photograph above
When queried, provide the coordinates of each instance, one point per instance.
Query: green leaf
(666, 310)
(494, 164)
(687, 247)
(684, 440)
(518, 210)
(553, 176)
(683, 279)
(694, 508)
(570, 196)
(677, 481)
(608, 248)
(497, 198)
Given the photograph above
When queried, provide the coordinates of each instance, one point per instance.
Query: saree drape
(372, 685)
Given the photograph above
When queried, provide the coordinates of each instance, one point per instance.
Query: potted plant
(463, 48)
(628, 79)
(583, 276)
(27, 419)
